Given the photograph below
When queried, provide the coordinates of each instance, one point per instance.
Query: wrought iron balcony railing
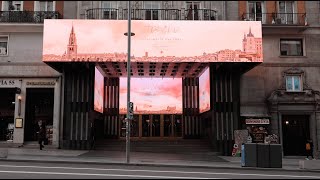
(27, 16)
(151, 14)
(277, 18)
(200, 14)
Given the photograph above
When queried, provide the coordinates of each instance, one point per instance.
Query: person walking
(42, 135)
(309, 149)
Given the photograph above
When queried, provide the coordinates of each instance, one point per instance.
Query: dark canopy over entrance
(160, 49)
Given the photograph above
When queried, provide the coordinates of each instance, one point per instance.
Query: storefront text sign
(257, 121)
(51, 83)
(9, 83)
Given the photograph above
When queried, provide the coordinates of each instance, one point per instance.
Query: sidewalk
(203, 160)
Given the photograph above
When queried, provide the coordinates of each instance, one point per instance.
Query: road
(35, 170)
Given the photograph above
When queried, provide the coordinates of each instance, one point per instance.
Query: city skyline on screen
(156, 41)
(152, 95)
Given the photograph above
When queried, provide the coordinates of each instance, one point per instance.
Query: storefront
(257, 129)
(25, 101)
(9, 108)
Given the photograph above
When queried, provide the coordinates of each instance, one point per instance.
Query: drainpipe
(224, 16)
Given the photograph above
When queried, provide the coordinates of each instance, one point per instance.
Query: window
(152, 10)
(110, 10)
(293, 83)
(12, 5)
(193, 10)
(286, 10)
(255, 10)
(45, 6)
(3, 45)
(291, 47)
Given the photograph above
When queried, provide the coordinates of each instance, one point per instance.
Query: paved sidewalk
(203, 160)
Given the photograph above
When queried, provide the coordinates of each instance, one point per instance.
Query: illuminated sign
(257, 121)
(154, 41)
(204, 91)
(152, 95)
(98, 91)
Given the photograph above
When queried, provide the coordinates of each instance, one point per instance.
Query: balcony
(151, 14)
(276, 19)
(27, 16)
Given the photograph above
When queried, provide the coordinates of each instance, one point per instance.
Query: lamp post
(129, 34)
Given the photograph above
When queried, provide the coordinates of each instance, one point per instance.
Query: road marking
(88, 174)
(161, 171)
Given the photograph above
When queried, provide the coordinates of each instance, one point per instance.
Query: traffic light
(131, 107)
(130, 111)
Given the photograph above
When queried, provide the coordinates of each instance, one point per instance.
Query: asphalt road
(34, 170)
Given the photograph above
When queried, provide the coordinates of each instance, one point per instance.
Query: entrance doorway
(7, 107)
(296, 132)
(39, 106)
(153, 126)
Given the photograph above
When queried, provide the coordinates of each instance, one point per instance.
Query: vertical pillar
(18, 136)
(56, 113)
(112, 107)
(78, 106)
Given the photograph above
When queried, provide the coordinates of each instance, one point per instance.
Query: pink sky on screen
(98, 91)
(204, 91)
(152, 94)
(158, 38)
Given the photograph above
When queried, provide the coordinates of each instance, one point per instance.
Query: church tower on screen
(72, 45)
(252, 44)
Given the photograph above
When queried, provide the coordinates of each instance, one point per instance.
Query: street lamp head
(132, 34)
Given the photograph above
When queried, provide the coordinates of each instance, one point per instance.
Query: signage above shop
(41, 83)
(257, 121)
(7, 83)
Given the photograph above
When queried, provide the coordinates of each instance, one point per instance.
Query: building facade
(30, 89)
(284, 89)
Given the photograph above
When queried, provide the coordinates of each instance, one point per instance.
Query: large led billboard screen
(152, 95)
(98, 91)
(154, 41)
(204, 91)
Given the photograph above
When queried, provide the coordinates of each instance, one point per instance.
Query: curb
(157, 165)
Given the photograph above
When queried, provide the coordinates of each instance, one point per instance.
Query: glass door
(167, 125)
(146, 125)
(152, 10)
(192, 10)
(286, 12)
(156, 125)
(177, 126)
(256, 10)
(134, 125)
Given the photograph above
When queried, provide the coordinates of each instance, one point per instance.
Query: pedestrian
(42, 135)
(309, 149)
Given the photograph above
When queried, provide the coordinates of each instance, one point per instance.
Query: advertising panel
(204, 91)
(98, 91)
(70, 40)
(152, 95)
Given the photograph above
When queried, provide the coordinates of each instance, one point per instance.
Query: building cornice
(20, 27)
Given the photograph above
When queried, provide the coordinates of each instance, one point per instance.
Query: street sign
(130, 111)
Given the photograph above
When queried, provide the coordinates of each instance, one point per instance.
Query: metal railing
(277, 18)
(27, 16)
(200, 14)
(152, 14)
